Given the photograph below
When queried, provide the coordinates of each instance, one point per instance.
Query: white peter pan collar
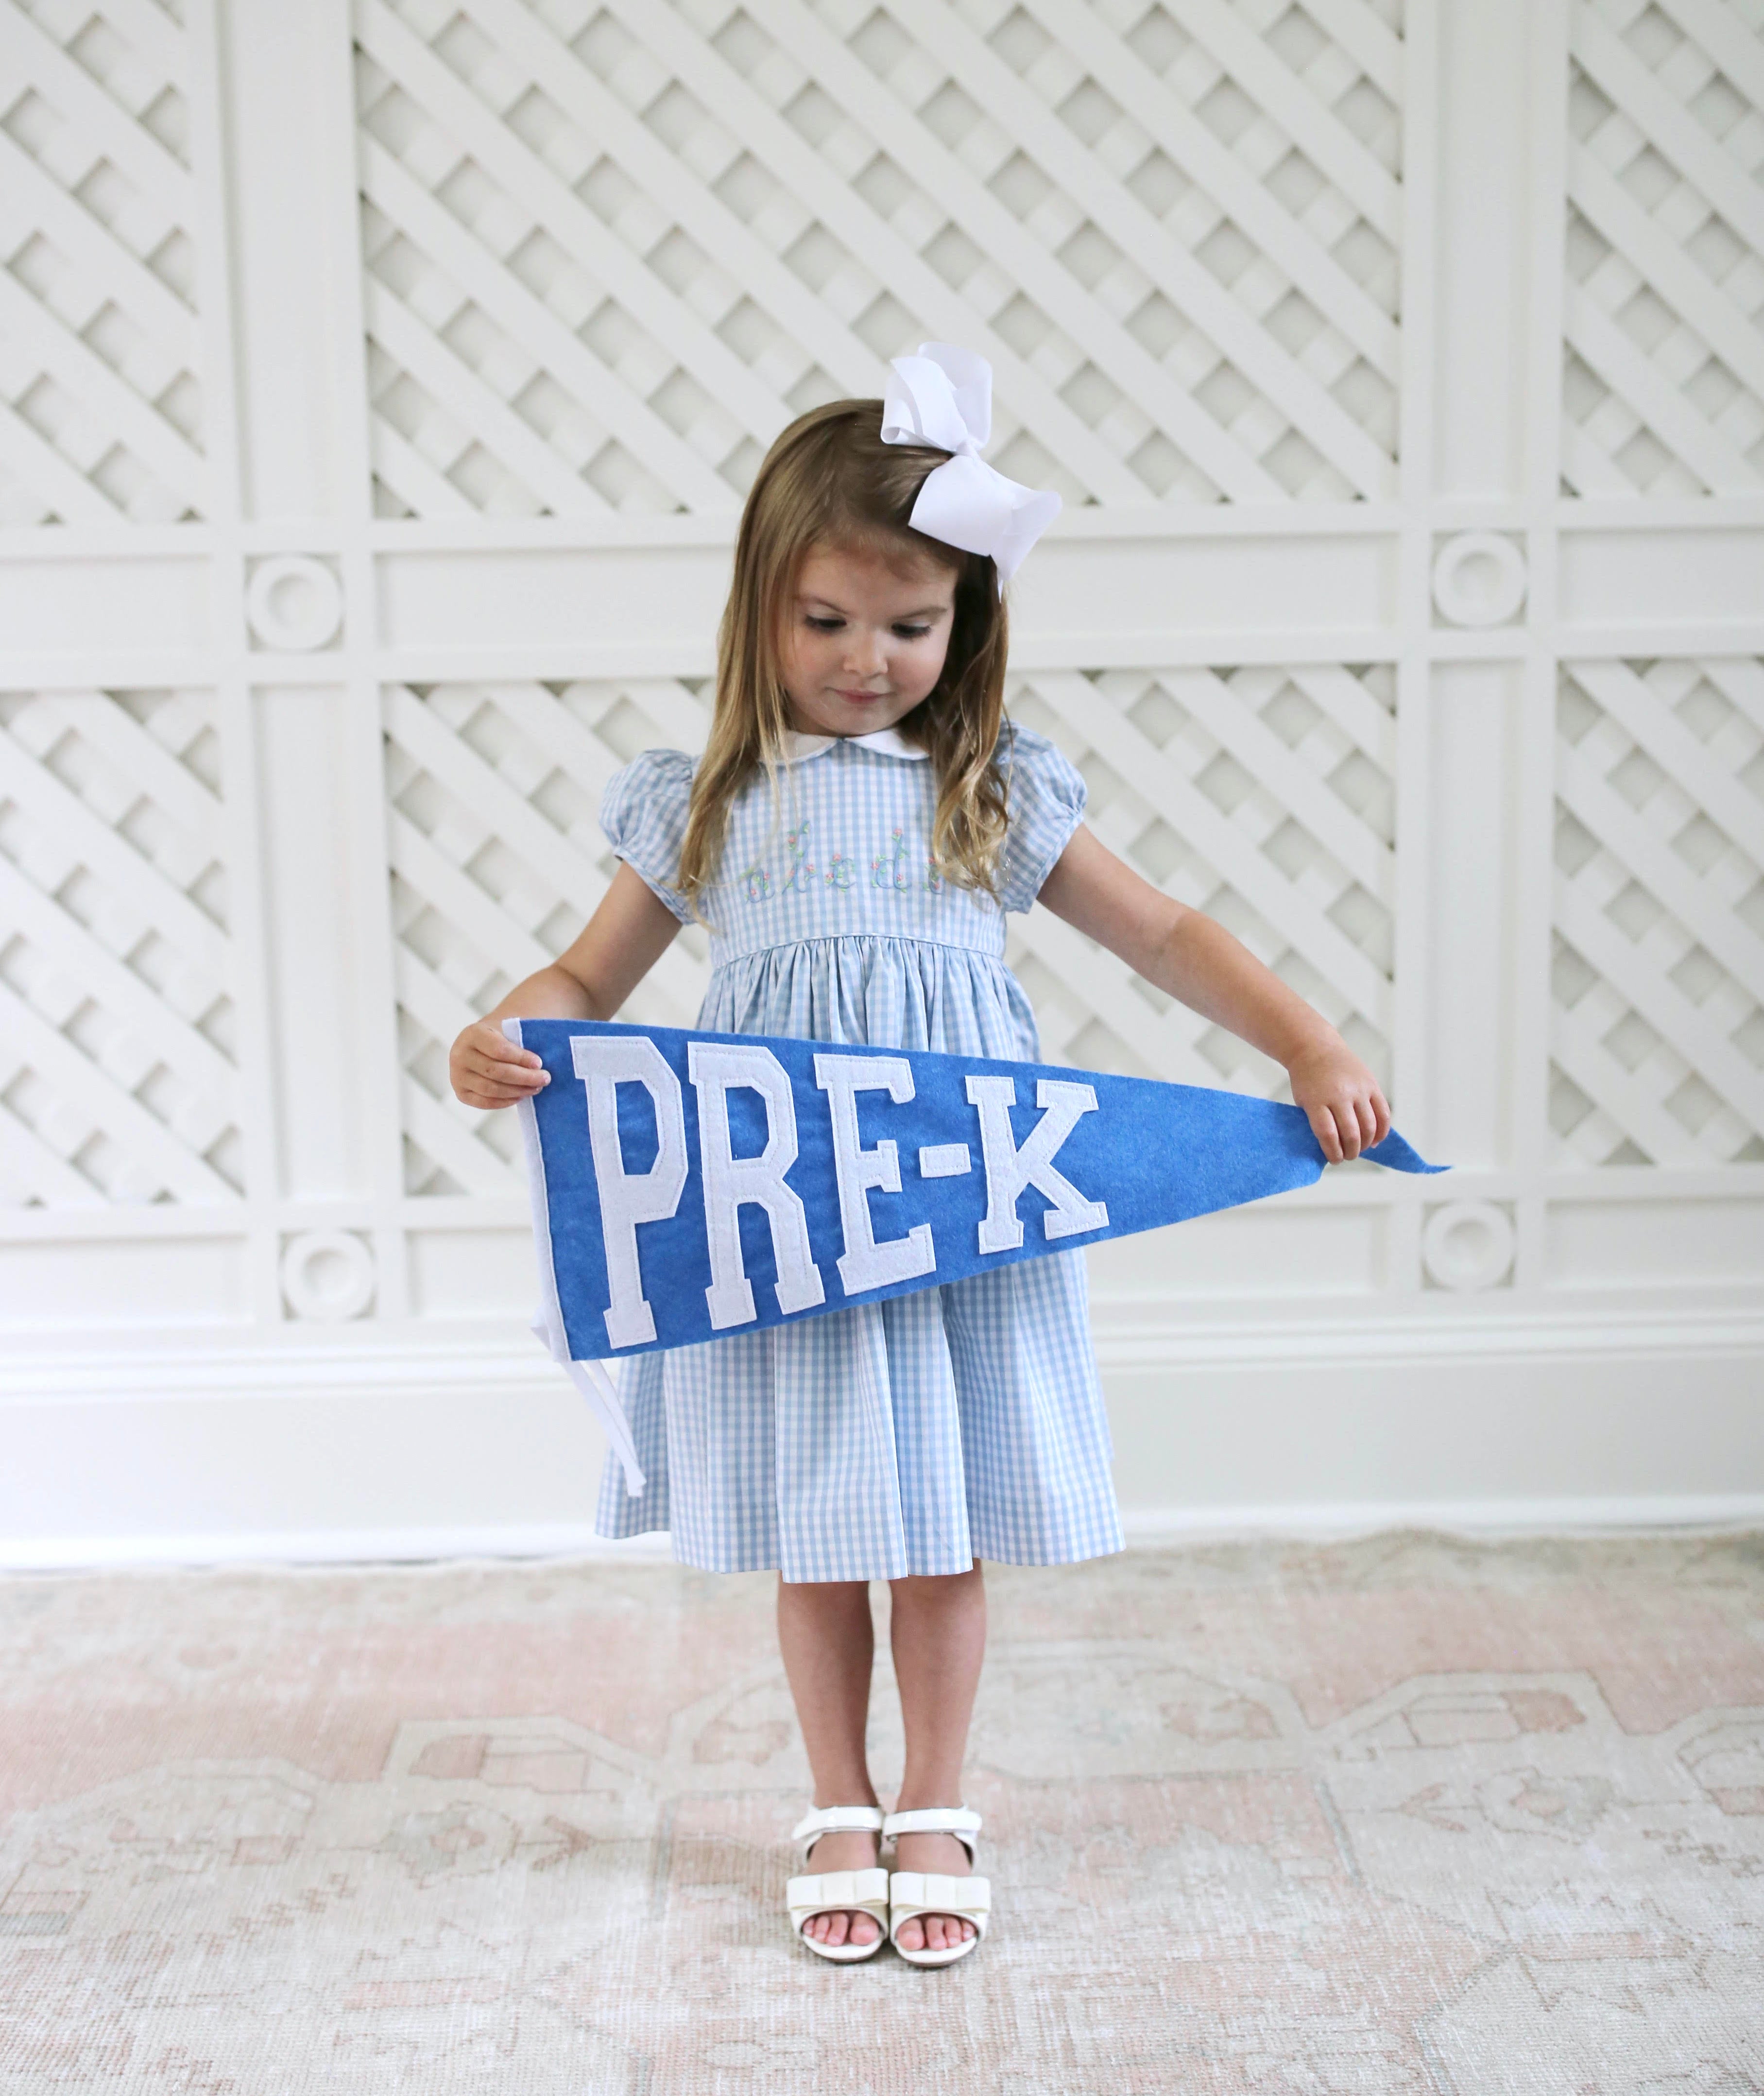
(887, 741)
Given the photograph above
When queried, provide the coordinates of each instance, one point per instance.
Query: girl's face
(863, 642)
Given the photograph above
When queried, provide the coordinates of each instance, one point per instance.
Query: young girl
(861, 822)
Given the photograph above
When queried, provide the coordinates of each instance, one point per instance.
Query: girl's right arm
(621, 941)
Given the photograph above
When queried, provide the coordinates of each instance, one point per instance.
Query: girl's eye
(835, 625)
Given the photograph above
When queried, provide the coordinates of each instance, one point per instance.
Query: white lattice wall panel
(612, 249)
(1262, 796)
(380, 384)
(117, 1079)
(100, 405)
(497, 862)
(1665, 357)
(1659, 965)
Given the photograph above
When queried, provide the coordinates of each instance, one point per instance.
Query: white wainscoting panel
(380, 381)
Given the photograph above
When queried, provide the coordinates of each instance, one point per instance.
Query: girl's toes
(912, 1935)
(863, 1929)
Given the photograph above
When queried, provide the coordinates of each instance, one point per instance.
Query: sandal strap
(934, 1819)
(956, 1819)
(837, 1819)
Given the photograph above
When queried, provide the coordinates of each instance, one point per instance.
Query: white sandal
(839, 1892)
(914, 1892)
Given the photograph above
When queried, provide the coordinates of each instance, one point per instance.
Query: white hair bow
(943, 397)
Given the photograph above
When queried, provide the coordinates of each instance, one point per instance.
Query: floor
(1403, 1815)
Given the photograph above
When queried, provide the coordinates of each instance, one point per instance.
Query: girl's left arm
(1192, 959)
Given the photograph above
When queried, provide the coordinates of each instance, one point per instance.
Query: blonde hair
(829, 480)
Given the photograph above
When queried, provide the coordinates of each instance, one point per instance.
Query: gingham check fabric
(907, 1437)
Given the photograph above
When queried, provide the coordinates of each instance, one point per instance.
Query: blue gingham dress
(915, 1436)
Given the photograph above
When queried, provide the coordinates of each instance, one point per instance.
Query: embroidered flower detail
(887, 870)
(842, 872)
(932, 883)
(758, 885)
(796, 842)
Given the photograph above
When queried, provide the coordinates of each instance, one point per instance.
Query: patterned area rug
(1407, 1814)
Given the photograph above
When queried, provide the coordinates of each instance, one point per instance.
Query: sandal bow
(912, 1894)
(839, 1892)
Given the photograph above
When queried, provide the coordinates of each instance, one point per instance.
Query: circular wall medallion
(294, 603)
(327, 1275)
(1468, 1244)
(1479, 579)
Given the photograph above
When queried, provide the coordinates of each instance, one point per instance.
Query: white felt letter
(865, 1263)
(603, 1061)
(1010, 1170)
(716, 1067)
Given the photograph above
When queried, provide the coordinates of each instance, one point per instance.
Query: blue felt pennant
(689, 1185)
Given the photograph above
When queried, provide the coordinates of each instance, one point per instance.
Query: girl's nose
(867, 656)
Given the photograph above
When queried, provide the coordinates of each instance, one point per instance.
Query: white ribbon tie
(943, 397)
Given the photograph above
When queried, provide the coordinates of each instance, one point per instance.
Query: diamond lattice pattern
(1665, 359)
(613, 248)
(117, 1077)
(1659, 956)
(1262, 796)
(497, 862)
(99, 401)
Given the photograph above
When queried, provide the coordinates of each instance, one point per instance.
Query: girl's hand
(487, 1070)
(1341, 1096)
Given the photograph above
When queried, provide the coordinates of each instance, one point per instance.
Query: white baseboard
(336, 1451)
(1147, 1528)
(1737, 1512)
(327, 1546)
(1127, 1335)
(1130, 1336)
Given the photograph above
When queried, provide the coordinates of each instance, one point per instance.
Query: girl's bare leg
(938, 1635)
(828, 1643)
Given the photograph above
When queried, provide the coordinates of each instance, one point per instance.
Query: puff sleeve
(1045, 795)
(642, 812)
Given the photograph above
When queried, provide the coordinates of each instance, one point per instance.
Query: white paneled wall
(378, 388)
